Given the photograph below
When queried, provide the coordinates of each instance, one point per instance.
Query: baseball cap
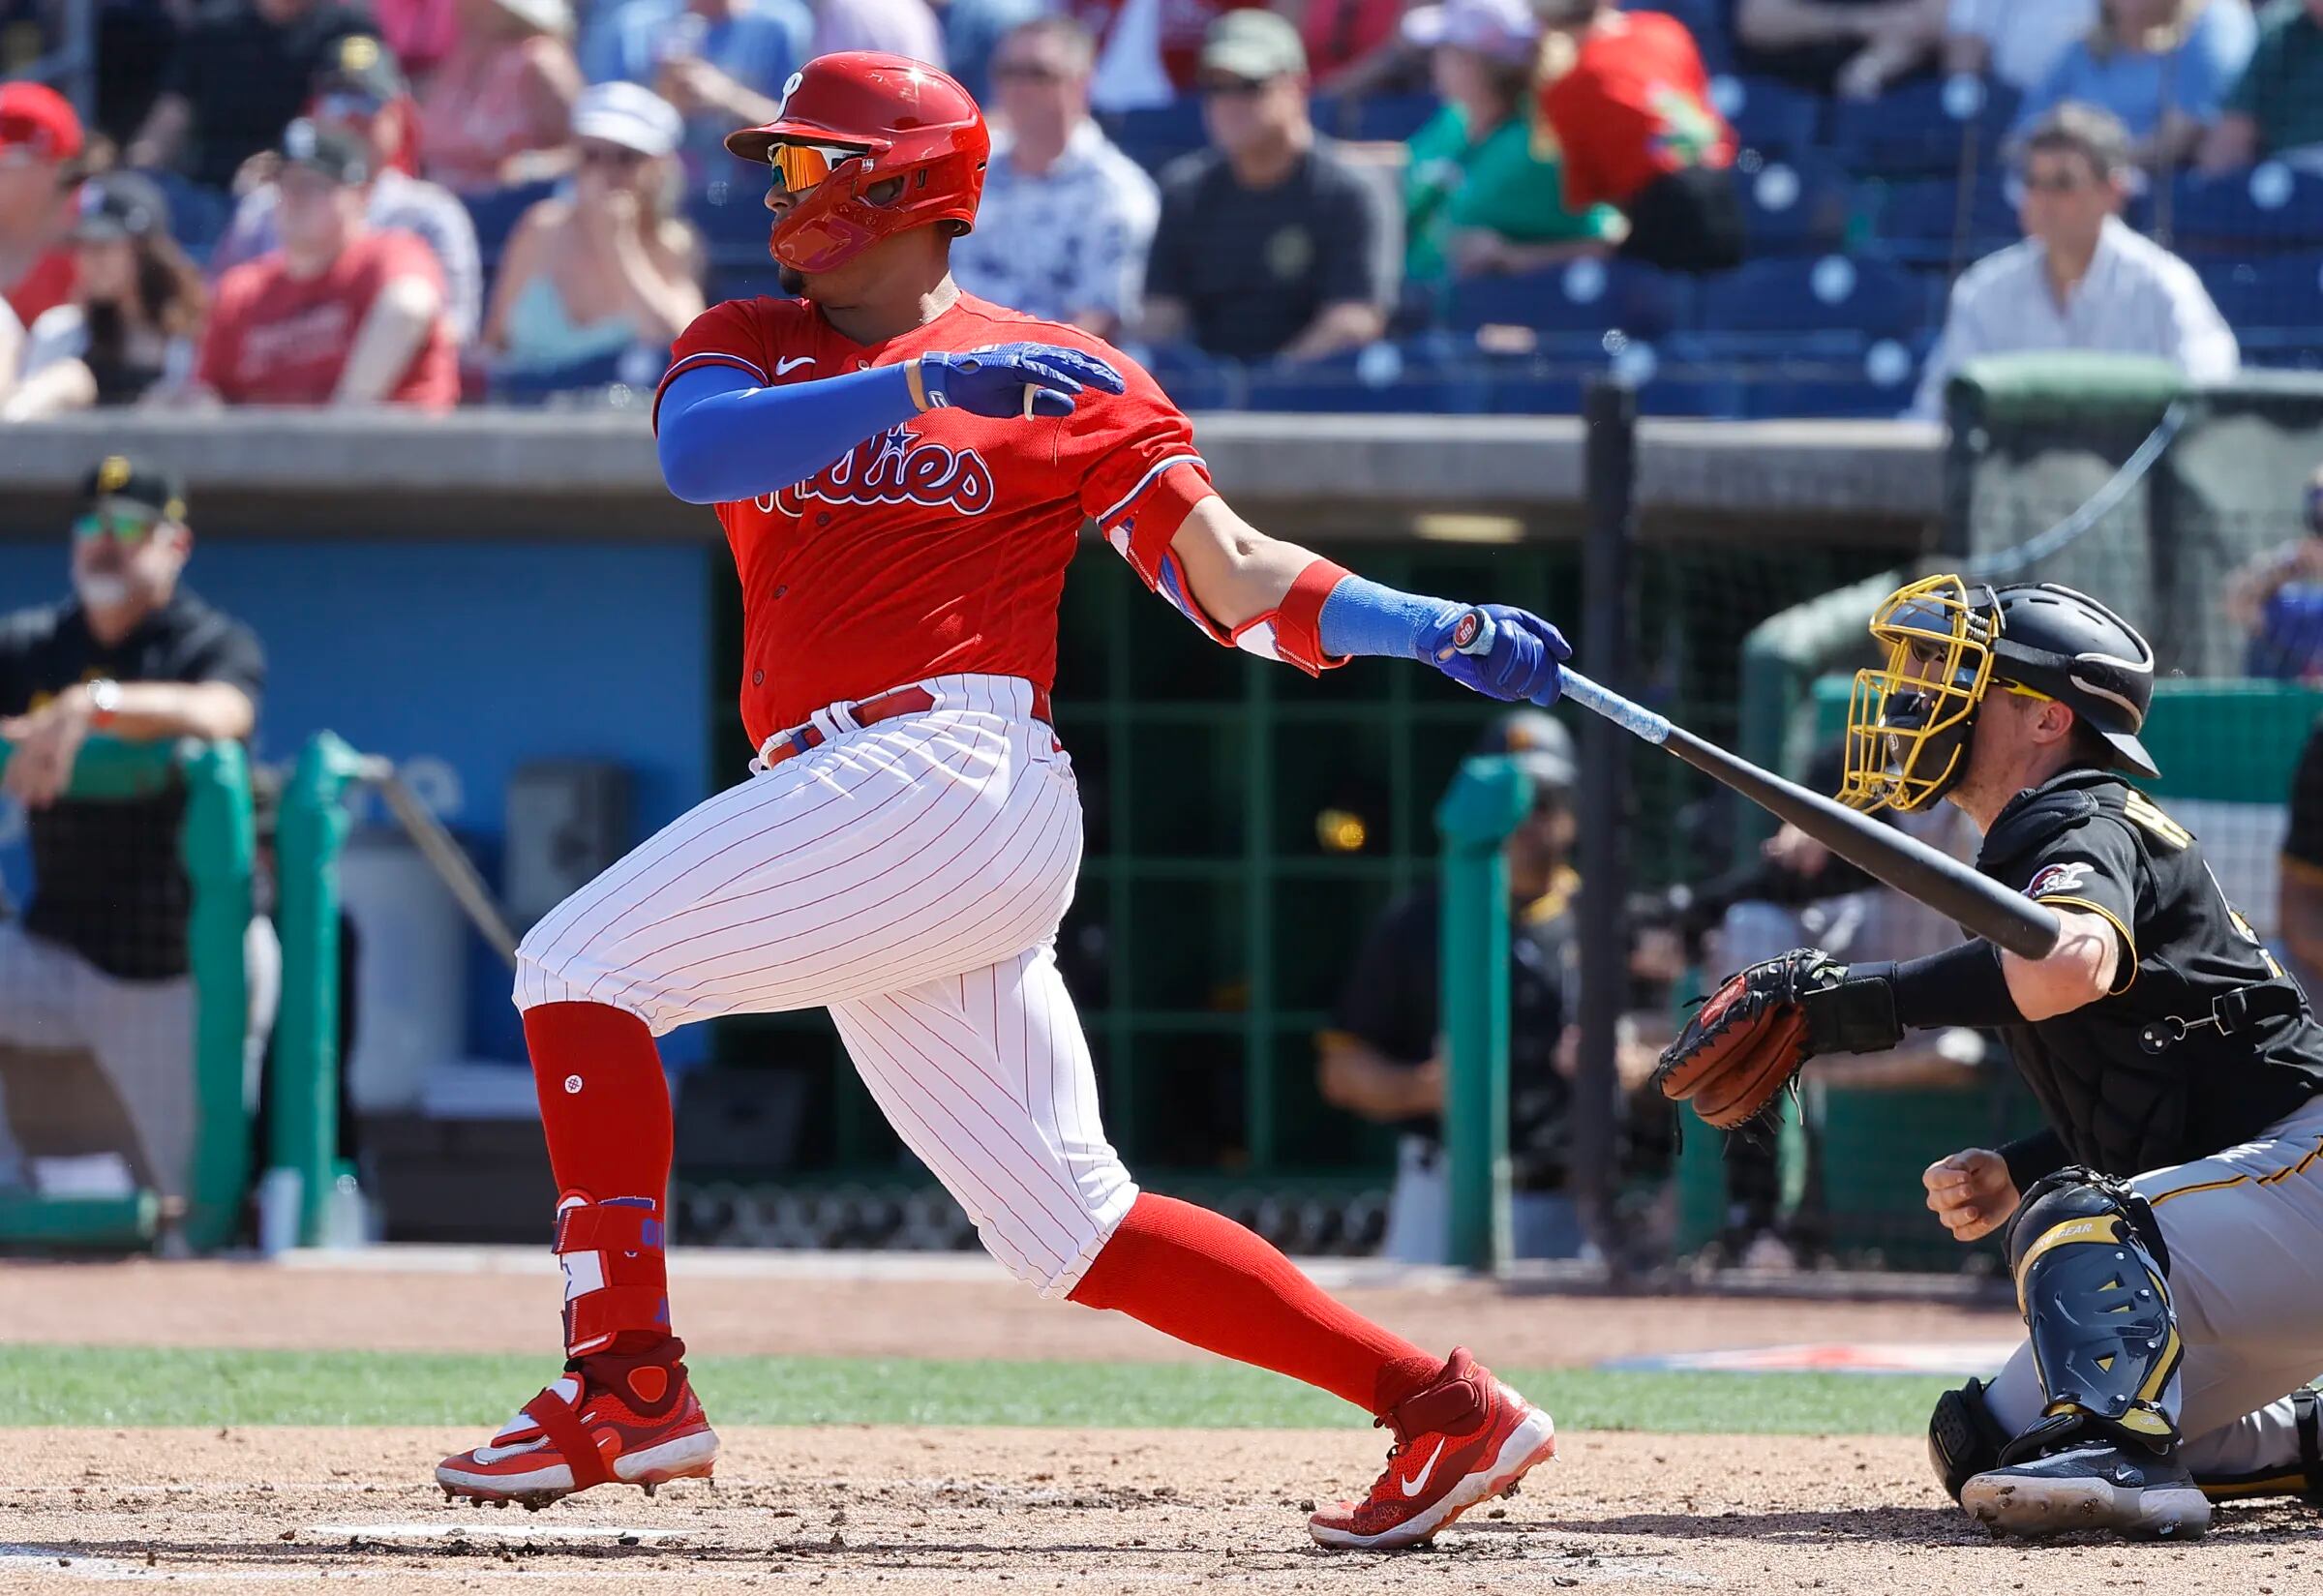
(335, 152)
(119, 204)
(361, 66)
(1256, 45)
(1539, 742)
(117, 481)
(1506, 30)
(35, 119)
(626, 115)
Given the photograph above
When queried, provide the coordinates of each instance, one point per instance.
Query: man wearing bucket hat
(342, 314)
(362, 89)
(1477, 195)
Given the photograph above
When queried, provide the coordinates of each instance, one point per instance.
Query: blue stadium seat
(1836, 292)
(1583, 296)
(1421, 376)
(2269, 292)
(1194, 379)
(1704, 19)
(1768, 113)
(1794, 206)
(496, 214)
(2268, 208)
(733, 221)
(1924, 127)
(1158, 135)
(197, 215)
(636, 368)
(1914, 221)
(1874, 382)
(1536, 384)
(1379, 118)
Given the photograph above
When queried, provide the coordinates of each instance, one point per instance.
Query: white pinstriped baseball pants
(909, 876)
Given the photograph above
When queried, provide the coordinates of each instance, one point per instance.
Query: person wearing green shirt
(1476, 198)
(2275, 113)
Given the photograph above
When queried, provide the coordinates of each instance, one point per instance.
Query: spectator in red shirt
(342, 314)
(1626, 103)
(40, 145)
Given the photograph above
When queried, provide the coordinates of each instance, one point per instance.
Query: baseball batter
(903, 473)
(2167, 1230)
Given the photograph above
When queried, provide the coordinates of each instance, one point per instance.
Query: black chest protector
(2204, 1040)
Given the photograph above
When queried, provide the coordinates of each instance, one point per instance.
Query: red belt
(870, 712)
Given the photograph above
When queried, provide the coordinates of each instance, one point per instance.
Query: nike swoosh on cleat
(1419, 1482)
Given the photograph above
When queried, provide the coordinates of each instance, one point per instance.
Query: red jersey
(939, 546)
(1633, 105)
(277, 340)
(46, 283)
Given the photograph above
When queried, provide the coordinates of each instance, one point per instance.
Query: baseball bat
(1982, 905)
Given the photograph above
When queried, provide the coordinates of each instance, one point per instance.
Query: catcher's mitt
(1742, 1047)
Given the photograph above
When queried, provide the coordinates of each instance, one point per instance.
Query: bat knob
(1473, 633)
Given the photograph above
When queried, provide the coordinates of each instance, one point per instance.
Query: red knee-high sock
(1203, 1278)
(605, 1107)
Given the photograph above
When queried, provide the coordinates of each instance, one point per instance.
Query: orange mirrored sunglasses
(803, 166)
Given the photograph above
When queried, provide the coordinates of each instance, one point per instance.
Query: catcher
(2166, 1229)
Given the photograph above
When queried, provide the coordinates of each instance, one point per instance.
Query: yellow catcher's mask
(1908, 722)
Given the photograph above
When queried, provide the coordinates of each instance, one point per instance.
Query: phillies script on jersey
(939, 546)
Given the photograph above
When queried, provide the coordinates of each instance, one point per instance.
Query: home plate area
(926, 1509)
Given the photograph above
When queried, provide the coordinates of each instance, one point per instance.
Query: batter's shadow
(1914, 1525)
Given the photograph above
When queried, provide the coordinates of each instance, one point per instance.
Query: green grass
(61, 1385)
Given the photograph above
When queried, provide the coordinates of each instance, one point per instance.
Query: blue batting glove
(1500, 651)
(1010, 379)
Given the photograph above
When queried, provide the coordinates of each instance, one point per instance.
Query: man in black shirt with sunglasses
(100, 963)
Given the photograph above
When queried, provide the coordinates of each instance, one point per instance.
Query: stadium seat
(733, 221)
(1423, 376)
(1705, 19)
(638, 368)
(1836, 292)
(2269, 292)
(496, 215)
(1378, 118)
(1194, 379)
(197, 215)
(1914, 221)
(1875, 382)
(1154, 136)
(1794, 206)
(1581, 296)
(1768, 114)
(1924, 127)
(2270, 206)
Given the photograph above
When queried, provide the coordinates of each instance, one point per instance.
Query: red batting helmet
(876, 117)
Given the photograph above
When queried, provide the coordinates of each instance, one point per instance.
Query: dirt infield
(996, 1510)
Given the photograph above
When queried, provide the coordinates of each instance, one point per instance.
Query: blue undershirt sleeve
(722, 439)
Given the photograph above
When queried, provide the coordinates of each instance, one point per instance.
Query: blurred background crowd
(1749, 207)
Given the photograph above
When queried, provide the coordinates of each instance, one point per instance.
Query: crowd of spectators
(1255, 188)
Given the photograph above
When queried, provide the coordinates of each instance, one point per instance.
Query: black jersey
(106, 877)
(1390, 1003)
(2136, 1081)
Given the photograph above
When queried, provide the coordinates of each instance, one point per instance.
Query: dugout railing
(218, 845)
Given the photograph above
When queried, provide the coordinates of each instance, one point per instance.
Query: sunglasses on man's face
(800, 167)
(1028, 71)
(341, 107)
(1225, 86)
(120, 528)
(2056, 182)
(617, 156)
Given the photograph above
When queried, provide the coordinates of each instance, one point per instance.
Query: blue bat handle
(1633, 718)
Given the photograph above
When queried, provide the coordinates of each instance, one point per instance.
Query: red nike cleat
(625, 1420)
(1464, 1439)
